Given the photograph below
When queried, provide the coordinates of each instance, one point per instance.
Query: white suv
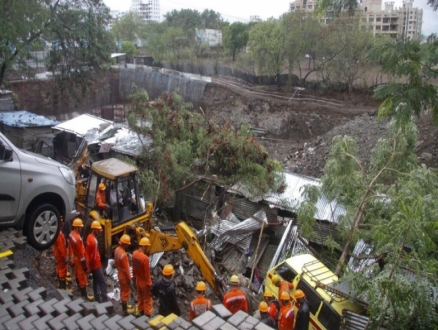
(35, 191)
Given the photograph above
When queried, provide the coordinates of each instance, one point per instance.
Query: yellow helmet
(275, 279)
(201, 286)
(168, 270)
(96, 225)
(299, 294)
(234, 279)
(268, 294)
(285, 296)
(145, 242)
(263, 307)
(77, 223)
(102, 186)
(126, 239)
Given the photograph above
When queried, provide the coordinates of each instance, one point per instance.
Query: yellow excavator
(123, 211)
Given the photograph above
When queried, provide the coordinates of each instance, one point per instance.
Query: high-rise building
(405, 21)
(149, 10)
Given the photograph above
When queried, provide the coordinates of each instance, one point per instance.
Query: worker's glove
(84, 265)
(108, 206)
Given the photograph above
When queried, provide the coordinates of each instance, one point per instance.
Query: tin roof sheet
(25, 118)
(291, 198)
(82, 124)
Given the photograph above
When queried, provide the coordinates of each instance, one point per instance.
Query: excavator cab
(112, 197)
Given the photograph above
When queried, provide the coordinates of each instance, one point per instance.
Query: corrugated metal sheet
(82, 124)
(291, 198)
(244, 208)
(237, 234)
(196, 199)
(25, 118)
(354, 321)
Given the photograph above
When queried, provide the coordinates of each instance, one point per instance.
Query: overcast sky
(241, 10)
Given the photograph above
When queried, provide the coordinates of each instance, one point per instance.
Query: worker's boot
(85, 295)
(62, 283)
(125, 308)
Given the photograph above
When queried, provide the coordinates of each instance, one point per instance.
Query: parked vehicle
(35, 191)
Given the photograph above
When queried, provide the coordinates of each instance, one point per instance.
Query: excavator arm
(185, 238)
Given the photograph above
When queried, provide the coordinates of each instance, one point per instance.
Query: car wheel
(43, 226)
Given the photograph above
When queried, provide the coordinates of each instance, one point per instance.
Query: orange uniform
(77, 250)
(284, 286)
(235, 300)
(60, 253)
(273, 311)
(92, 253)
(198, 306)
(286, 318)
(143, 282)
(101, 199)
(122, 265)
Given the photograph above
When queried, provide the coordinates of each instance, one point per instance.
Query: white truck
(35, 191)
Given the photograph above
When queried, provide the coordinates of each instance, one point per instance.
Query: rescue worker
(282, 285)
(94, 263)
(77, 257)
(265, 318)
(164, 290)
(303, 314)
(123, 273)
(142, 276)
(286, 318)
(200, 304)
(273, 305)
(101, 204)
(235, 299)
(61, 257)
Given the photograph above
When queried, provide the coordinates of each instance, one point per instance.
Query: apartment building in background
(149, 10)
(405, 21)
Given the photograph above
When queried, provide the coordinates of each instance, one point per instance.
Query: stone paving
(26, 308)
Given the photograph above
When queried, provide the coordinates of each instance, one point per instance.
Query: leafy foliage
(187, 147)
(129, 27)
(129, 48)
(408, 61)
(235, 38)
(75, 29)
(392, 206)
(267, 41)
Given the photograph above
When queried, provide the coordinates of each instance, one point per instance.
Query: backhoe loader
(126, 212)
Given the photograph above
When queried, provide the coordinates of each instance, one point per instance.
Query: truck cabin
(120, 190)
(318, 283)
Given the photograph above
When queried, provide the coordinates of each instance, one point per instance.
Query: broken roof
(82, 124)
(128, 142)
(25, 118)
(291, 198)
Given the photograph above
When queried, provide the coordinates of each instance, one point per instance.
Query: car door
(10, 187)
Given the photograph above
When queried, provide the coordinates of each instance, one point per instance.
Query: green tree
(392, 206)
(235, 38)
(75, 28)
(177, 44)
(267, 43)
(128, 27)
(411, 69)
(185, 19)
(211, 19)
(303, 38)
(129, 48)
(350, 44)
(188, 148)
